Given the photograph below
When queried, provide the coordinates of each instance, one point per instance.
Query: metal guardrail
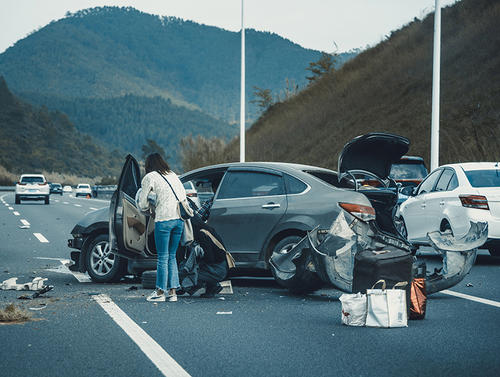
(7, 188)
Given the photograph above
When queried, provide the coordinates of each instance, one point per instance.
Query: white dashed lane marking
(93, 209)
(81, 277)
(65, 203)
(41, 238)
(25, 222)
(16, 213)
(160, 358)
(11, 208)
(77, 205)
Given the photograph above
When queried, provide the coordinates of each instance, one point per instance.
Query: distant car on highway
(32, 187)
(56, 188)
(192, 193)
(83, 189)
(67, 188)
(449, 198)
(408, 171)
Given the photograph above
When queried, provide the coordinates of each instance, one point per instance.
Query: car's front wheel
(102, 265)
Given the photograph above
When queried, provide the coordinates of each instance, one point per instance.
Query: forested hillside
(389, 88)
(110, 52)
(125, 123)
(34, 139)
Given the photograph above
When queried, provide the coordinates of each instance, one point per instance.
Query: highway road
(85, 329)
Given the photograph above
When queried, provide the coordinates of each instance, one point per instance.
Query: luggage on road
(418, 295)
(353, 309)
(390, 264)
(387, 307)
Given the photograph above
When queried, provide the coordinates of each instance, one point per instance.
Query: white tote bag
(353, 309)
(386, 307)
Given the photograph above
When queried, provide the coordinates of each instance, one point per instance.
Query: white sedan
(449, 198)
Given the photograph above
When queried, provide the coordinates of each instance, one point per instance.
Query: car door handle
(271, 205)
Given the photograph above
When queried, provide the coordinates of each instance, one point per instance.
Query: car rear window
(484, 178)
(32, 180)
(188, 185)
(408, 171)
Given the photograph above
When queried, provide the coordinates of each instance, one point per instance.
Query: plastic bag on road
(353, 309)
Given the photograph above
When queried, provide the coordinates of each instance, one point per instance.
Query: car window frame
(250, 170)
(308, 187)
(439, 171)
(439, 179)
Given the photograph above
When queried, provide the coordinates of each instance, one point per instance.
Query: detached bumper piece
(329, 260)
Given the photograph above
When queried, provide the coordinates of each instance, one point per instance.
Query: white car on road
(449, 198)
(32, 187)
(83, 189)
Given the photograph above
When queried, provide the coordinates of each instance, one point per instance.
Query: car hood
(373, 152)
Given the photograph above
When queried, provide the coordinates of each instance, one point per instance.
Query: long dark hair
(154, 162)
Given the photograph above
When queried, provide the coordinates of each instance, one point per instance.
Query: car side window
(428, 184)
(294, 185)
(444, 180)
(453, 183)
(245, 184)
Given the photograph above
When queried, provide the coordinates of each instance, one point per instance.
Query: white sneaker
(156, 297)
(172, 298)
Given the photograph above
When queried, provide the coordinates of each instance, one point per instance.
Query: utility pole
(242, 95)
(436, 68)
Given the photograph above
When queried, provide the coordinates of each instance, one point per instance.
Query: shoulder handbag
(183, 208)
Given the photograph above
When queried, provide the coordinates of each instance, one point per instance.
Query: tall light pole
(242, 95)
(436, 68)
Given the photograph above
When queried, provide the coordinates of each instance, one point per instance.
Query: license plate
(32, 190)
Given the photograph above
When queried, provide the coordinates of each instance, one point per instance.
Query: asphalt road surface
(85, 329)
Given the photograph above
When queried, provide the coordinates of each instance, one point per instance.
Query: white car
(83, 189)
(32, 187)
(67, 189)
(449, 198)
(191, 193)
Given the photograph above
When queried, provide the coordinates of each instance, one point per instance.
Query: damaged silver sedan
(328, 258)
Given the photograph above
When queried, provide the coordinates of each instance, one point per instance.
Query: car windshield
(32, 180)
(484, 178)
(408, 171)
(56, 185)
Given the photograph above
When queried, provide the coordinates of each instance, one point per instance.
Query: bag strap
(380, 281)
(229, 258)
(400, 284)
(166, 180)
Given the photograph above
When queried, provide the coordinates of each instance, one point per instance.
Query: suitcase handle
(380, 281)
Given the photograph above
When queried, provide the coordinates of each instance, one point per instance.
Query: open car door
(128, 226)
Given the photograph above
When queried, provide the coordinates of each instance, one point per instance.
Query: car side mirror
(408, 191)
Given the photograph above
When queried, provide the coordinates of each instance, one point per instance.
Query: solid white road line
(25, 222)
(163, 361)
(40, 237)
(472, 298)
(16, 213)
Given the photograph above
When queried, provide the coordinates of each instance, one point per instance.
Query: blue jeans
(167, 236)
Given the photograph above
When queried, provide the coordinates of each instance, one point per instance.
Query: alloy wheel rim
(101, 258)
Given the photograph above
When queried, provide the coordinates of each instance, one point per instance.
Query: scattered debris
(132, 288)
(144, 322)
(224, 313)
(12, 314)
(469, 285)
(43, 290)
(42, 306)
(227, 288)
(221, 298)
(34, 285)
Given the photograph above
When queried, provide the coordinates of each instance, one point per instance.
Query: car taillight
(474, 201)
(364, 213)
(192, 194)
(42, 184)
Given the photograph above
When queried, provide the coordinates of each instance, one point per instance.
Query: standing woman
(168, 224)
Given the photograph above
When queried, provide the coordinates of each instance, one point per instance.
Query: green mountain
(110, 52)
(33, 139)
(125, 123)
(389, 88)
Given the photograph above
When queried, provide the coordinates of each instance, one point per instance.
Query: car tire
(102, 265)
(304, 281)
(148, 279)
(47, 199)
(446, 227)
(18, 199)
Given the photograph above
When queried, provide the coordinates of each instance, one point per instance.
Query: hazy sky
(316, 24)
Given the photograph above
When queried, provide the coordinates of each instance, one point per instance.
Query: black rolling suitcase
(390, 264)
